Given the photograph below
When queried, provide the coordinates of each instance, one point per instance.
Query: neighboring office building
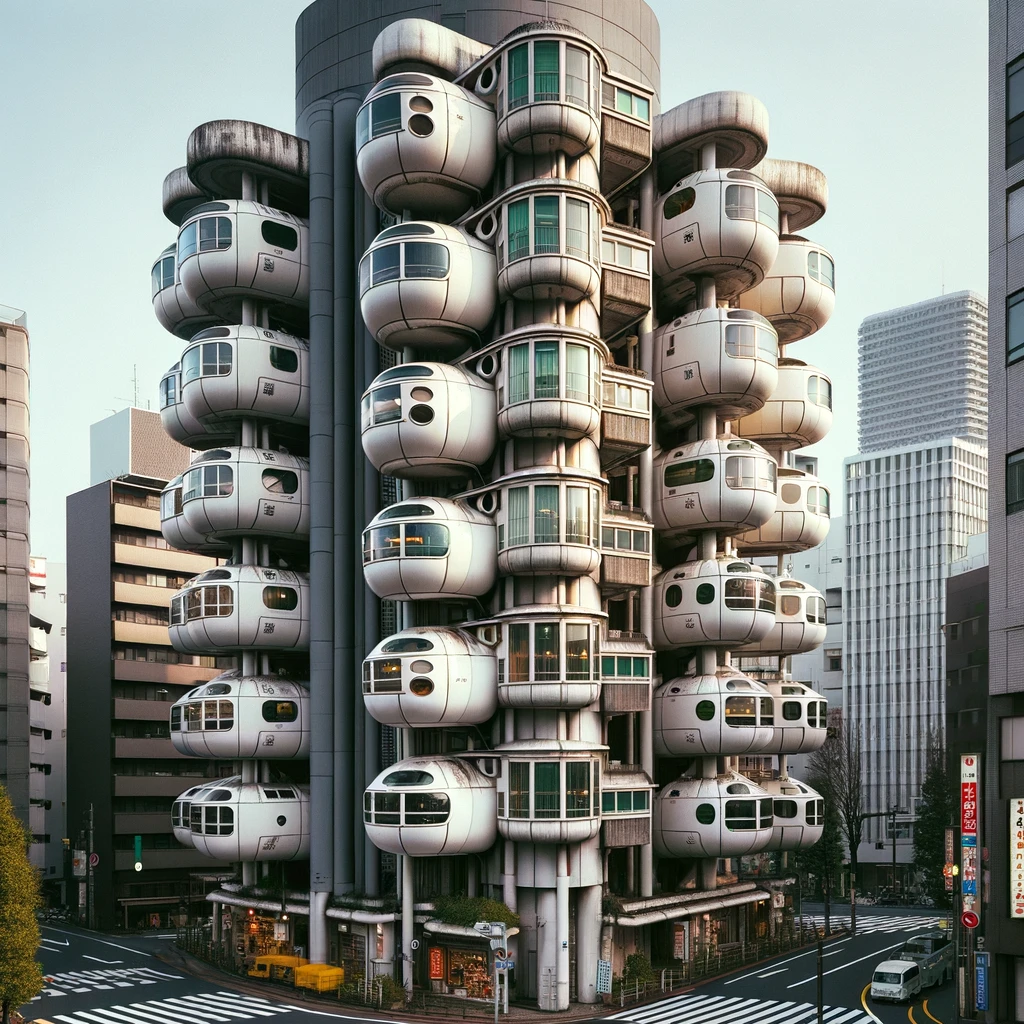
(48, 675)
(123, 676)
(16, 761)
(1003, 764)
(922, 373)
(910, 512)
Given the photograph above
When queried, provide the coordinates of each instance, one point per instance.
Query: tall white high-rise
(923, 372)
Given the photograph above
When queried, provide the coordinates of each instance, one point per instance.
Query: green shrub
(467, 910)
(638, 968)
(391, 991)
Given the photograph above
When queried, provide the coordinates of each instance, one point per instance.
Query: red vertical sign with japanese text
(970, 791)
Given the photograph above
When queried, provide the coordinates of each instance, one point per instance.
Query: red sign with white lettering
(969, 808)
(436, 959)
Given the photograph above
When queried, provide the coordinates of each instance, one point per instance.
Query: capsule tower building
(234, 288)
(551, 406)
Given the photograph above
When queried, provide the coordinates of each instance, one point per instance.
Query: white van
(933, 953)
(896, 981)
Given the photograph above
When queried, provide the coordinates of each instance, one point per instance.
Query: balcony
(625, 136)
(155, 785)
(142, 710)
(39, 675)
(137, 824)
(161, 672)
(141, 633)
(161, 558)
(137, 593)
(625, 278)
(157, 746)
(137, 515)
(625, 414)
(619, 697)
(625, 548)
(626, 794)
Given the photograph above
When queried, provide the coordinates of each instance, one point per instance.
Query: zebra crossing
(870, 924)
(694, 1009)
(68, 982)
(209, 1008)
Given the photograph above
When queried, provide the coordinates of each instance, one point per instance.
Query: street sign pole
(821, 983)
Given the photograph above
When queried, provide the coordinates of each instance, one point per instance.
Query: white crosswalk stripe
(208, 1008)
(869, 924)
(691, 1009)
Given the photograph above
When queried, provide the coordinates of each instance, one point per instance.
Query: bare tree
(835, 770)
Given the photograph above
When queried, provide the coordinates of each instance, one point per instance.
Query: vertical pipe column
(346, 529)
(588, 942)
(562, 928)
(547, 949)
(408, 903)
(320, 131)
(646, 721)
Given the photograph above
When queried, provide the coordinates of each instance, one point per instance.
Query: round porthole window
(421, 104)
(421, 125)
(705, 593)
(421, 414)
(487, 367)
(705, 710)
(673, 596)
(420, 666)
(421, 394)
(705, 814)
(421, 686)
(281, 820)
(487, 78)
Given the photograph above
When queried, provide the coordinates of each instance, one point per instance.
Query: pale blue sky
(97, 99)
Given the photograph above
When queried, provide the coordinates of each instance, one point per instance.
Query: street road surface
(93, 979)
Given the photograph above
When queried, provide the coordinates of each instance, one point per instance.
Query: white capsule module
(424, 145)
(799, 621)
(240, 371)
(725, 484)
(431, 677)
(550, 790)
(798, 812)
(235, 716)
(799, 412)
(728, 816)
(716, 223)
(431, 807)
(720, 602)
(798, 294)
(550, 382)
(176, 530)
(180, 820)
(251, 821)
(549, 660)
(241, 607)
(236, 492)
(176, 312)
(176, 420)
(725, 714)
(560, 256)
(428, 420)
(427, 285)
(800, 718)
(800, 522)
(726, 358)
(429, 548)
(233, 249)
(557, 108)
(549, 523)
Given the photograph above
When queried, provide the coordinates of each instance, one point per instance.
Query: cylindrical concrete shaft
(588, 942)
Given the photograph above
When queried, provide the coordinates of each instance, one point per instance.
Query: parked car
(896, 981)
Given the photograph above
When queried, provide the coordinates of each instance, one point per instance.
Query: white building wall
(909, 514)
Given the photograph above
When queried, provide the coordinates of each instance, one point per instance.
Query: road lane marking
(910, 1015)
(924, 1006)
(864, 1002)
(751, 974)
(130, 949)
(56, 942)
(85, 956)
(768, 974)
(813, 977)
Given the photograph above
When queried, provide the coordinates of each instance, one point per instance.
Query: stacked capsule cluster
(508, 292)
(735, 289)
(235, 288)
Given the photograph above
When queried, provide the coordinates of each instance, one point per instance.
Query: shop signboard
(681, 940)
(435, 957)
(78, 860)
(970, 775)
(948, 867)
(1017, 858)
(981, 980)
(604, 977)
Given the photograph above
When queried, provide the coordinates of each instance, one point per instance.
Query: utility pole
(90, 891)
(821, 984)
(892, 815)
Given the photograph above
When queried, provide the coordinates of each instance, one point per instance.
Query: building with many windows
(123, 676)
(910, 512)
(536, 352)
(1003, 774)
(16, 760)
(922, 372)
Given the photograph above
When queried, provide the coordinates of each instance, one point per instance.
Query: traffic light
(138, 853)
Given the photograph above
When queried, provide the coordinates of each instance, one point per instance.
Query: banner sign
(981, 980)
(947, 869)
(435, 958)
(1017, 858)
(970, 793)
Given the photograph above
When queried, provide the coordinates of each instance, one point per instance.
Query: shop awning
(688, 909)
